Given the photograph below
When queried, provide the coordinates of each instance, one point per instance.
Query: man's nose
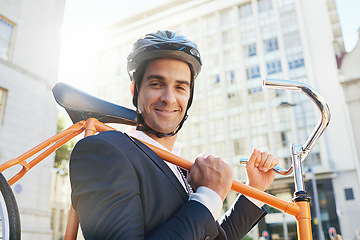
(168, 96)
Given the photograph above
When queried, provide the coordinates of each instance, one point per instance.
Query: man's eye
(181, 88)
(154, 84)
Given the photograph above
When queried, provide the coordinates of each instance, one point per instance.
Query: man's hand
(211, 172)
(259, 171)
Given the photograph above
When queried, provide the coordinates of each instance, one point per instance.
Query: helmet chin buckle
(142, 126)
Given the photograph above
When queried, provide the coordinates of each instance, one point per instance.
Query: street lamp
(286, 104)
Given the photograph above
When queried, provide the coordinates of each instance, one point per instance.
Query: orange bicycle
(90, 115)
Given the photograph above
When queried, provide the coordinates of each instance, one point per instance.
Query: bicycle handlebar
(316, 98)
(319, 128)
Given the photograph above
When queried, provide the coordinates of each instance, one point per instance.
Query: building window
(217, 78)
(227, 37)
(349, 194)
(230, 77)
(273, 67)
(316, 159)
(264, 5)
(196, 130)
(225, 18)
(283, 139)
(255, 90)
(279, 93)
(6, 37)
(240, 146)
(287, 162)
(2, 103)
(236, 144)
(253, 72)
(296, 63)
(292, 40)
(252, 50)
(230, 95)
(245, 10)
(271, 44)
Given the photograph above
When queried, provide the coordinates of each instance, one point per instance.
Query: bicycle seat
(81, 106)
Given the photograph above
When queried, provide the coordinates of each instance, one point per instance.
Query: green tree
(62, 154)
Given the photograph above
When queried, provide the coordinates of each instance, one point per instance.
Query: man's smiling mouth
(165, 111)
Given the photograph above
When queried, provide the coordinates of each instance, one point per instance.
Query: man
(122, 190)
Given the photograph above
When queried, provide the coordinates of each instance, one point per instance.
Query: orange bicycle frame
(300, 210)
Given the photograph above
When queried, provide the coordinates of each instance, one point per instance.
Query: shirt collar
(143, 137)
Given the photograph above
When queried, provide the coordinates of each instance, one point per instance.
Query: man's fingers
(268, 162)
(202, 155)
(254, 158)
(212, 172)
(274, 162)
(262, 160)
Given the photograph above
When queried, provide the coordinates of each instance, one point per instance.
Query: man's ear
(132, 88)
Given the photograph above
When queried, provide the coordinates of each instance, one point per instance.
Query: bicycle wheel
(9, 213)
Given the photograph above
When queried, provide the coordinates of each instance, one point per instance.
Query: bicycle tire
(10, 228)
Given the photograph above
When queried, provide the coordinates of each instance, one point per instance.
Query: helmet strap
(142, 126)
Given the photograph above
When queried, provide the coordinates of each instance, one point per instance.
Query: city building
(29, 59)
(350, 81)
(242, 42)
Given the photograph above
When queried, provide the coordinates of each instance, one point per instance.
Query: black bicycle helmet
(162, 44)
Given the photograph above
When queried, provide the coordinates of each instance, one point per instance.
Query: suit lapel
(162, 166)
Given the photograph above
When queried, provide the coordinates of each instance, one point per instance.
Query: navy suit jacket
(121, 189)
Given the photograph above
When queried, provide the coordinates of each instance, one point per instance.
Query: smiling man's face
(164, 94)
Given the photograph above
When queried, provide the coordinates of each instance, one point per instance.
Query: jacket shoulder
(108, 137)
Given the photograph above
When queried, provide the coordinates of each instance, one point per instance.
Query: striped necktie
(187, 185)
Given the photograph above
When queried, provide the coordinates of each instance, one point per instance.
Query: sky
(83, 18)
(349, 17)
